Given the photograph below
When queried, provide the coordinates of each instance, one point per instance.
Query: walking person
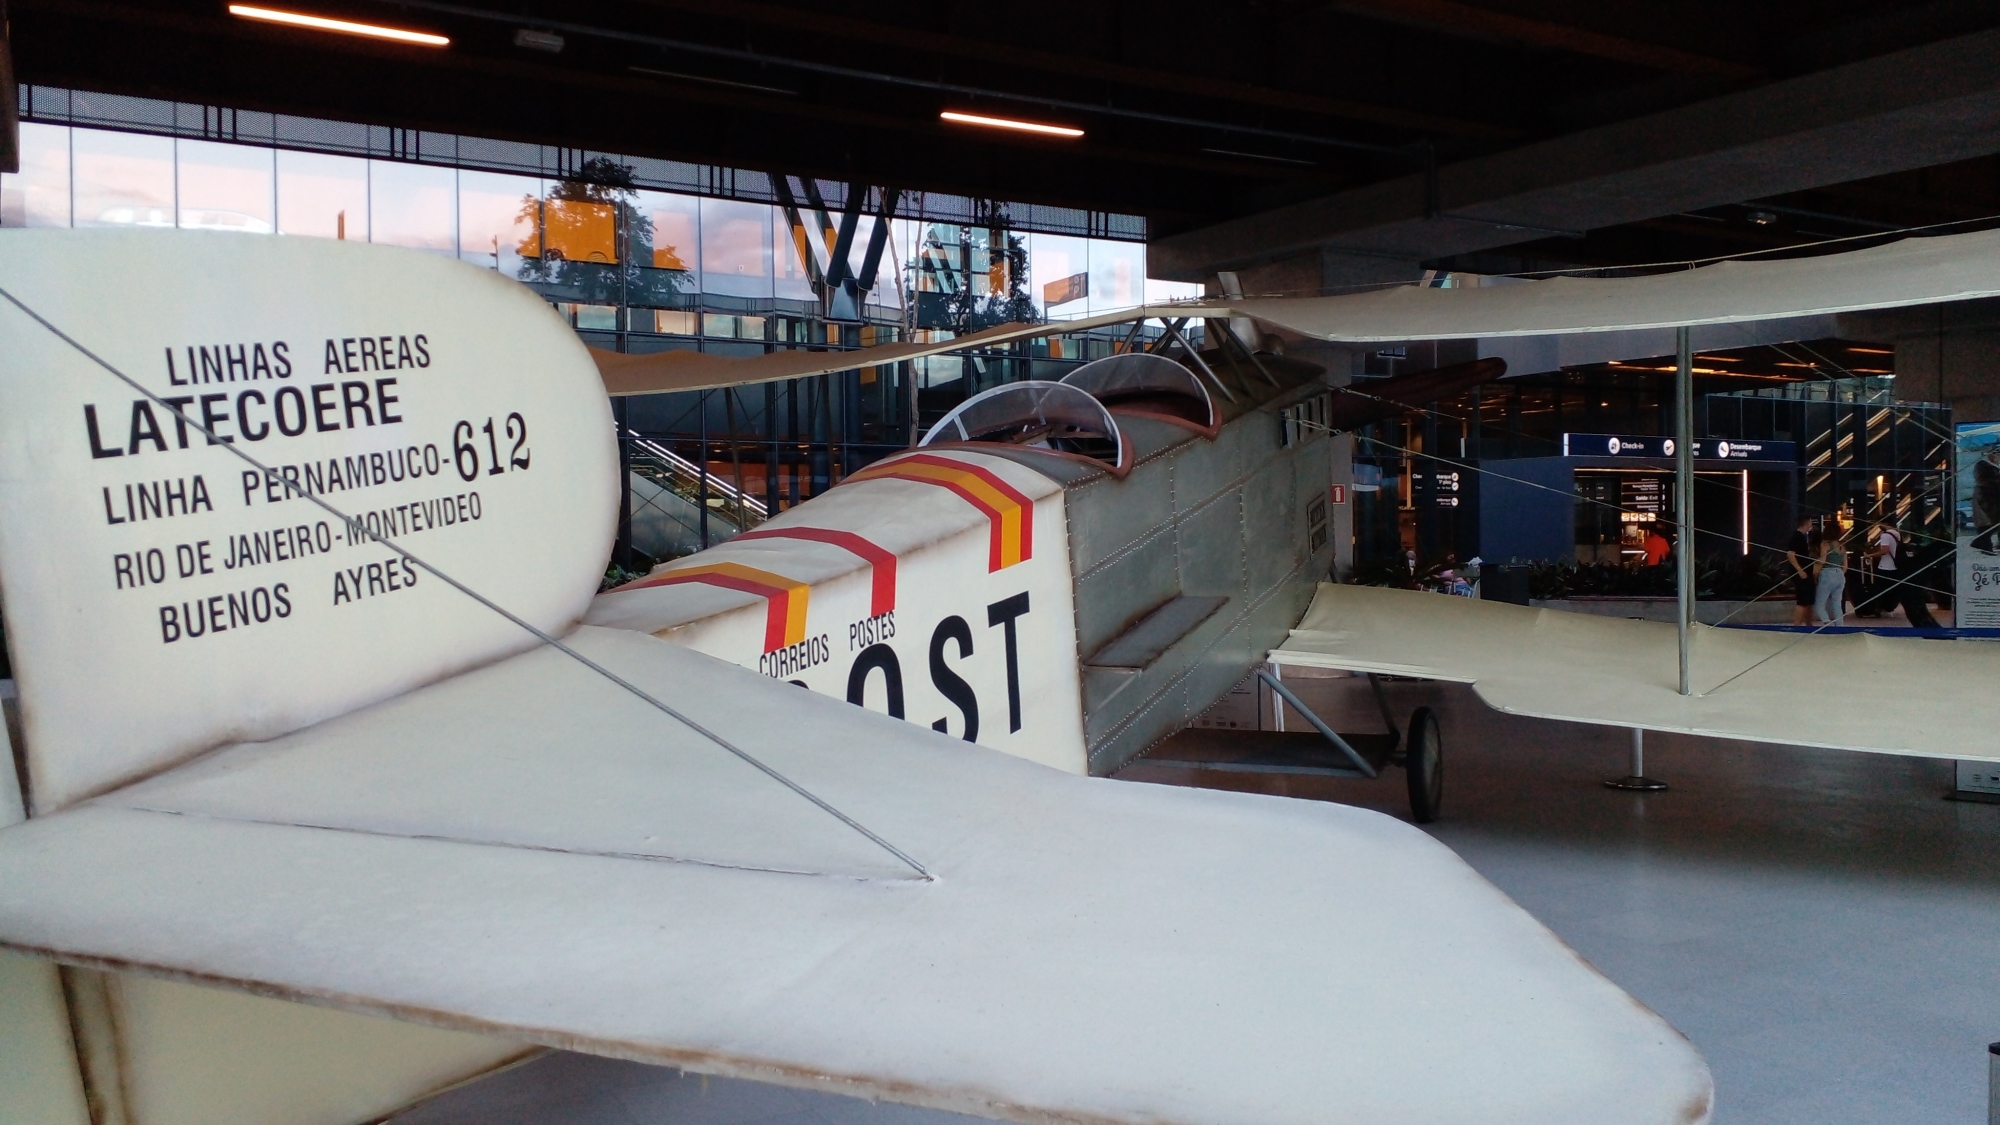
(1871, 586)
(1830, 597)
(1878, 568)
(1799, 556)
(1897, 586)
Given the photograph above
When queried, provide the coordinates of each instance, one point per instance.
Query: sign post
(1682, 450)
(1684, 495)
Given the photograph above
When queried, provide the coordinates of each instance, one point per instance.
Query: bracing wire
(527, 626)
(1442, 416)
(1497, 475)
(1447, 417)
(1900, 580)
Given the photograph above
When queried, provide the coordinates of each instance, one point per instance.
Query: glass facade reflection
(322, 196)
(635, 268)
(954, 276)
(225, 187)
(120, 179)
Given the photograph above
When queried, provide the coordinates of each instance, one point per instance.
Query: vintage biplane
(318, 703)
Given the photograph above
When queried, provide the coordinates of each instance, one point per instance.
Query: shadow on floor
(1731, 801)
(1822, 924)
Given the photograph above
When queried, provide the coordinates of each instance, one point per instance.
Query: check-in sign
(1705, 449)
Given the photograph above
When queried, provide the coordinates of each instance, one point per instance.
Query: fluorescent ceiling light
(1009, 123)
(344, 27)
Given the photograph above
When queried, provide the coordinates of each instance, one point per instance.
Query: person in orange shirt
(1657, 547)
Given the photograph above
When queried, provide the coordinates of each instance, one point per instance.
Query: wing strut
(1354, 758)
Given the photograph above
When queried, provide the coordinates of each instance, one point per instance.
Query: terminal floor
(1822, 925)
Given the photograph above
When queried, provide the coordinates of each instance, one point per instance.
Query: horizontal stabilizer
(521, 851)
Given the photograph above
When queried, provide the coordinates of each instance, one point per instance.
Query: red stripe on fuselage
(881, 563)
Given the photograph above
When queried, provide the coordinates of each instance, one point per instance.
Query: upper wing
(635, 373)
(1931, 698)
(528, 850)
(1914, 271)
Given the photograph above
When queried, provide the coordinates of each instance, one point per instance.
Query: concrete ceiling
(1289, 138)
(1925, 106)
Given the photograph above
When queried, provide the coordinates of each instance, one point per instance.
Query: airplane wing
(1766, 686)
(628, 373)
(528, 850)
(1913, 271)
(284, 556)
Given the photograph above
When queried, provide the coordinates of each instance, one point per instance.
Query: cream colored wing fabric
(1914, 271)
(526, 850)
(1849, 692)
(651, 372)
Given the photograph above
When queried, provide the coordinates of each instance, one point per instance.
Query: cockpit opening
(1038, 415)
(1145, 383)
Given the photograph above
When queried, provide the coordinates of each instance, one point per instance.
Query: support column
(1993, 1084)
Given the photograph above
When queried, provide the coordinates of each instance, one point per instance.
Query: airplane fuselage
(1033, 601)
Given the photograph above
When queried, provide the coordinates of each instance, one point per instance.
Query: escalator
(667, 499)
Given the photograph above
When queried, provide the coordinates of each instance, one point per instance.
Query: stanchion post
(1637, 781)
(1993, 1084)
(1684, 546)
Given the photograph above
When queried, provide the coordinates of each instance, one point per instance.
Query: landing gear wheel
(1423, 766)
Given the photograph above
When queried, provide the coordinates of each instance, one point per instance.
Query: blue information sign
(1705, 449)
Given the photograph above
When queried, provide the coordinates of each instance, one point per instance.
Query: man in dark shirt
(1799, 556)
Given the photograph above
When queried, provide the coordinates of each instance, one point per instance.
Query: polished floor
(1824, 926)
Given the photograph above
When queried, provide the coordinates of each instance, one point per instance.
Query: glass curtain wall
(645, 270)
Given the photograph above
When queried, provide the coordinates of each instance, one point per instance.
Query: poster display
(1977, 520)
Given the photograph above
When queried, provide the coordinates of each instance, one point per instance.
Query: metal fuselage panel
(1243, 517)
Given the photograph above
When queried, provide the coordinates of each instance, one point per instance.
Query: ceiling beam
(1453, 18)
(1911, 109)
(920, 137)
(773, 15)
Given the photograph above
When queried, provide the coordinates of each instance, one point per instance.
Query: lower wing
(529, 850)
(1849, 692)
